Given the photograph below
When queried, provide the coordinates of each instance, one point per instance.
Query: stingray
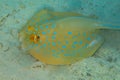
(61, 38)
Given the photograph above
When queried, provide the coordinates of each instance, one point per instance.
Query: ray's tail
(111, 26)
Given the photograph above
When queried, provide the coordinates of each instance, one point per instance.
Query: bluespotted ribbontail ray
(61, 37)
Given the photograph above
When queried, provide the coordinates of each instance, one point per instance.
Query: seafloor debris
(1, 45)
(2, 20)
(6, 49)
(38, 65)
(14, 33)
(3, 48)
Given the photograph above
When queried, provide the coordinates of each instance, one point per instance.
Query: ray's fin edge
(109, 26)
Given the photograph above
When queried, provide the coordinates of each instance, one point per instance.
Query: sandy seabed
(18, 65)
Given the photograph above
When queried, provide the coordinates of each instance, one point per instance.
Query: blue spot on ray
(48, 31)
(40, 20)
(66, 54)
(34, 32)
(62, 50)
(93, 34)
(47, 26)
(69, 33)
(59, 42)
(53, 37)
(66, 42)
(53, 26)
(48, 43)
(36, 44)
(63, 46)
(37, 24)
(73, 46)
(40, 46)
(27, 30)
(43, 32)
(55, 55)
(75, 42)
(53, 50)
(36, 29)
(44, 45)
(78, 34)
(88, 38)
(86, 45)
(84, 34)
(41, 27)
(81, 42)
(54, 33)
(74, 36)
(53, 43)
(46, 20)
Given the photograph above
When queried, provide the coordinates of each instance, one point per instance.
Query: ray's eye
(38, 37)
(34, 38)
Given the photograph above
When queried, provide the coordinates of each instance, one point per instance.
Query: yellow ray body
(59, 37)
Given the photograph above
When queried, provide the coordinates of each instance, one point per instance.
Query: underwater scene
(59, 39)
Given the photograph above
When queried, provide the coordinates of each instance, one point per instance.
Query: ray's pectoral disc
(60, 38)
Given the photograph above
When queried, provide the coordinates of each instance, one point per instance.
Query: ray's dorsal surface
(60, 37)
